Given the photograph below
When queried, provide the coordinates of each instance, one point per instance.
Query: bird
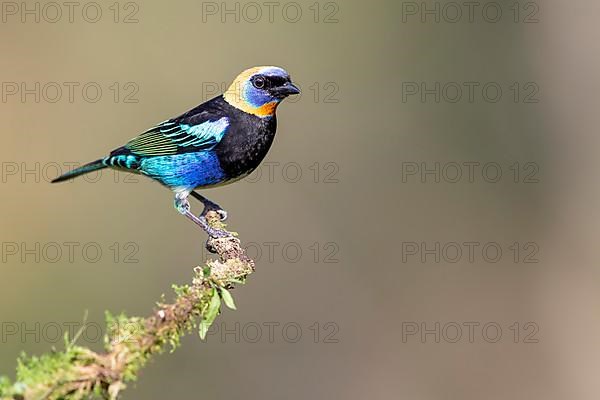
(219, 142)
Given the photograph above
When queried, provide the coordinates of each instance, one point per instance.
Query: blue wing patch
(169, 138)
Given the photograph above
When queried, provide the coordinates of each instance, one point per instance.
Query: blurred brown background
(363, 293)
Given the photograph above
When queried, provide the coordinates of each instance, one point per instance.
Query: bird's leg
(209, 206)
(183, 206)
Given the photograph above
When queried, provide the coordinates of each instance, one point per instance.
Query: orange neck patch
(236, 99)
(266, 110)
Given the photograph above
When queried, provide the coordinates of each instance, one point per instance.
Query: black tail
(93, 166)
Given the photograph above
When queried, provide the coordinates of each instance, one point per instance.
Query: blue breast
(187, 170)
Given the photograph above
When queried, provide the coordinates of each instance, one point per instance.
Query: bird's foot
(210, 206)
(183, 206)
(214, 233)
(222, 213)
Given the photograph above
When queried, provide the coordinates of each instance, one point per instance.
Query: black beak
(287, 89)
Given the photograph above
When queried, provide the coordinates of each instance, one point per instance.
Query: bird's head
(259, 90)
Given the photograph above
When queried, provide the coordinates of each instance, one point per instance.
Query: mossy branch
(79, 373)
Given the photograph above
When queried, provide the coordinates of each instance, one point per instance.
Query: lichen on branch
(79, 373)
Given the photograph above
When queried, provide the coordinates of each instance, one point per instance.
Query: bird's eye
(259, 82)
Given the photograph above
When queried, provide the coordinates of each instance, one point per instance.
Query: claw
(222, 214)
(210, 206)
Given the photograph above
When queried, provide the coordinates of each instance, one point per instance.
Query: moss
(130, 342)
(5, 386)
(37, 374)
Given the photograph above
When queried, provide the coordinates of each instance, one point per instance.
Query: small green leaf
(228, 299)
(203, 329)
(211, 313)
(213, 307)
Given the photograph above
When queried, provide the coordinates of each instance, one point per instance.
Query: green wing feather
(176, 137)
